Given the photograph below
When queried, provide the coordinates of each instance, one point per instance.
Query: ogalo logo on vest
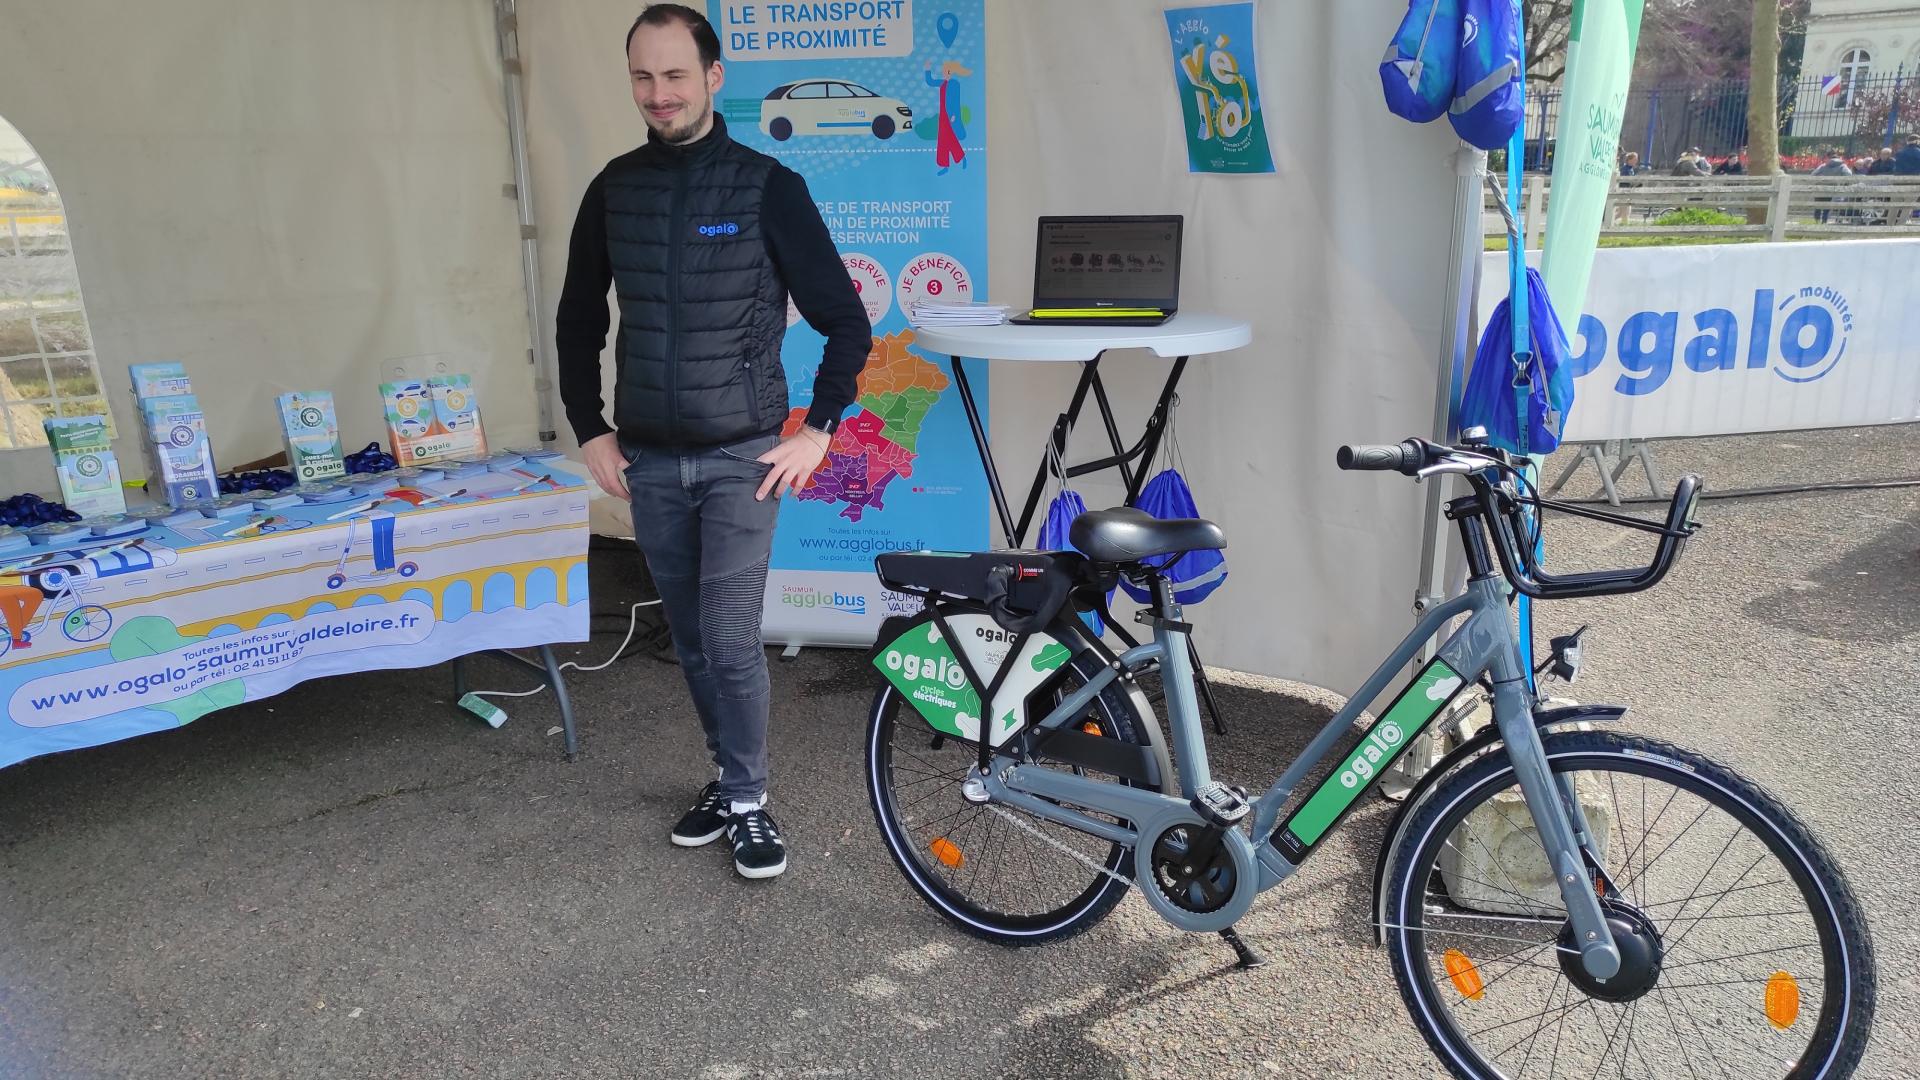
(720, 228)
(1798, 334)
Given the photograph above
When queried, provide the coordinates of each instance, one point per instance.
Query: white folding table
(1186, 335)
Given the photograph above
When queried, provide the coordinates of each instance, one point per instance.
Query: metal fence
(1662, 121)
(1781, 207)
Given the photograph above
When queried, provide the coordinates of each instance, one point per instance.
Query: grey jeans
(706, 541)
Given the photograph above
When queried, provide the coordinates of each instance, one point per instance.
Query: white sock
(741, 806)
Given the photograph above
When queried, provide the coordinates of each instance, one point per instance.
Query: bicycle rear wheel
(1744, 953)
(994, 871)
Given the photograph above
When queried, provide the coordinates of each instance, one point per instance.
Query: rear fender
(1486, 739)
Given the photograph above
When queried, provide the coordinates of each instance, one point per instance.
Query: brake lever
(1455, 468)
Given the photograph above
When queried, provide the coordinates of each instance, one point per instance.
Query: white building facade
(1854, 48)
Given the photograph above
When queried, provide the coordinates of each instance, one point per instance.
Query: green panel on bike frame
(1404, 719)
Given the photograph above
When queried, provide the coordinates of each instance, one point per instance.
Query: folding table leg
(1206, 688)
(559, 685)
(980, 443)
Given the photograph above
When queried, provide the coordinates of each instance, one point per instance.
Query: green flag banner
(1593, 101)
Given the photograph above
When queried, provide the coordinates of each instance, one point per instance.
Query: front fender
(1481, 742)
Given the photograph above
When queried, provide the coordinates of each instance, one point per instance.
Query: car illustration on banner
(831, 107)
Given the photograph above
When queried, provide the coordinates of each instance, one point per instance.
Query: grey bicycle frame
(1484, 645)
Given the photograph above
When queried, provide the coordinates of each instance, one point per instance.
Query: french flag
(1833, 86)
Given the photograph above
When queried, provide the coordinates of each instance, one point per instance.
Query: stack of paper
(934, 313)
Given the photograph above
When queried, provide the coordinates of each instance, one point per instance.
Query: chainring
(1202, 882)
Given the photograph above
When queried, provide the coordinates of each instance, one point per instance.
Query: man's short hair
(704, 38)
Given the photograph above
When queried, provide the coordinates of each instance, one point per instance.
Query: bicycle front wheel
(1743, 951)
(994, 871)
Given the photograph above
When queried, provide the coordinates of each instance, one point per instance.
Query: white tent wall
(580, 115)
(282, 196)
(1339, 260)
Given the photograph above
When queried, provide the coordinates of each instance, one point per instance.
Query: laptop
(1105, 271)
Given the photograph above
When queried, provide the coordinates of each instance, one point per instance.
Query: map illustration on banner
(878, 105)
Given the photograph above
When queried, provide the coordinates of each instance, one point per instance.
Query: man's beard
(684, 132)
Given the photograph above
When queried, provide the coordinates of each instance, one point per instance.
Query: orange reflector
(1466, 977)
(947, 852)
(1783, 1000)
(1090, 727)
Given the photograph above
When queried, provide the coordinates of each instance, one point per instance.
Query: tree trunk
(1763, 91)
(1763, 100)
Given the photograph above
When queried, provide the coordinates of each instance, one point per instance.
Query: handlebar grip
(1401, 457)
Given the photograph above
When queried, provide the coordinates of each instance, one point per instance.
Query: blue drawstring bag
(1061, 512)
(1417, 73)
(1490, 401)
(1193, 574)
(1487, 106)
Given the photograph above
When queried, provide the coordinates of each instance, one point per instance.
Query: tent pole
(506, 25)
(1456, 344)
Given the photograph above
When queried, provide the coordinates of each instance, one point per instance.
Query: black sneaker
(758, 851)
(703, 823)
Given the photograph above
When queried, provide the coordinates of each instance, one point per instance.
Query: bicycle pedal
(1223, 806)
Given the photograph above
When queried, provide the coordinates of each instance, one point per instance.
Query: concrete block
(1494, 862)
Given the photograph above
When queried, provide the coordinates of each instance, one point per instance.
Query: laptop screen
(1108, 262)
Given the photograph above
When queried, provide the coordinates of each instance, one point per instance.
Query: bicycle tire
(1842, 1027)
(87, 623)
(1116, 714)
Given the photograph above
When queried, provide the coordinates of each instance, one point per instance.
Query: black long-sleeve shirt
(803, 255)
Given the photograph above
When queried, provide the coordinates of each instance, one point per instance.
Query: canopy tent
(290, 196)
(283, 196)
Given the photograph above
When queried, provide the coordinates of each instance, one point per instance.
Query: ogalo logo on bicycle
(922, 665)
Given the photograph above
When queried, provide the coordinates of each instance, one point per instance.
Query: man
(1688, 164)
(705, 240)
(1907, 161)
(1835, 165)
(1882, 163)
(1630, 165)
(1734, 165)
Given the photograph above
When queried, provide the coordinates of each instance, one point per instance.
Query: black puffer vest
(702, 310)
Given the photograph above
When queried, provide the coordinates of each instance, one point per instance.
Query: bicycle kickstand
(1248, 959)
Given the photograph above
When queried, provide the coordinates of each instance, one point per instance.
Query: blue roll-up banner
(880, 105)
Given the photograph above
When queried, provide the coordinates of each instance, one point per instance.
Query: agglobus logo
(1800, 335)
(804, 597)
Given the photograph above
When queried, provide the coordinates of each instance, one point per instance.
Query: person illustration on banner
(705, 240)
(18, 605)
(952, 128)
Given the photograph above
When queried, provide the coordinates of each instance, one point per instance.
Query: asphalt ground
(355, 879)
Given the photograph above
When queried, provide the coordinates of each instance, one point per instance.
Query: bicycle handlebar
(1406, 457)
(1523, 570)
(1482, 464)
